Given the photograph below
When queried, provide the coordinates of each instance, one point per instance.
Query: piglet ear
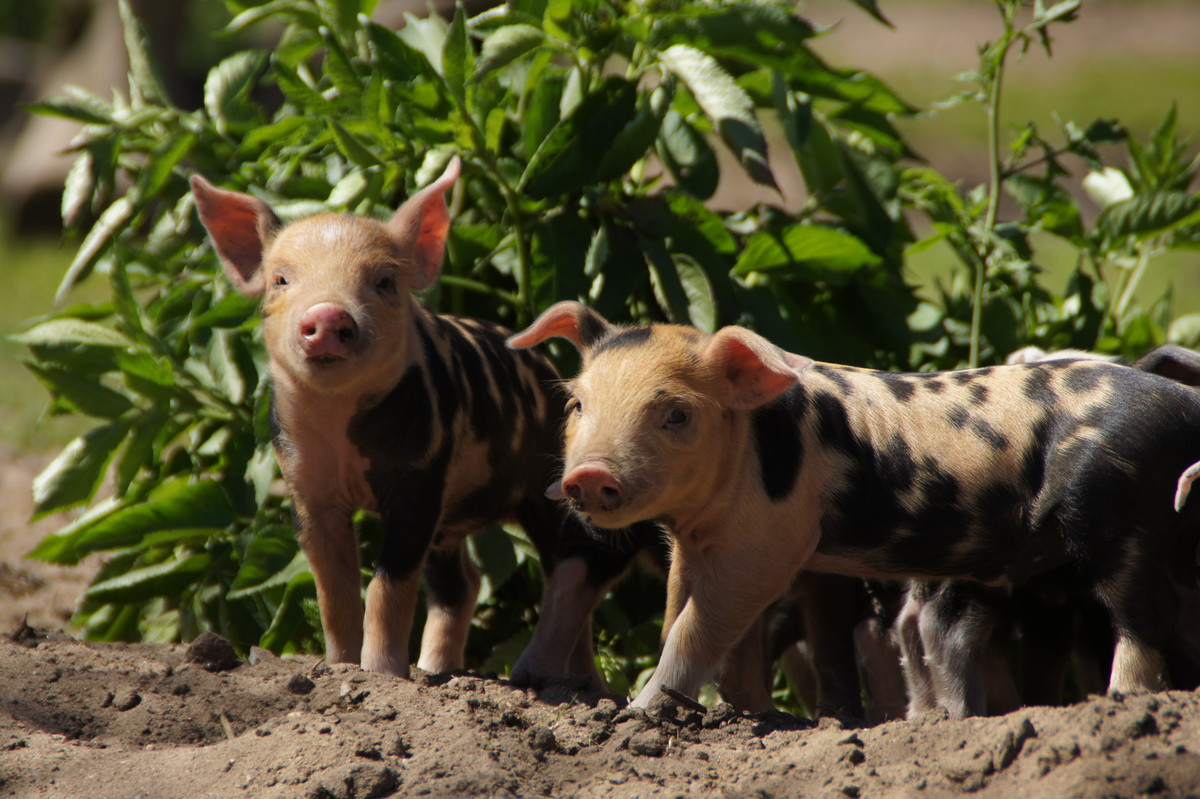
(424, 220)
(239, 226)
(751, 371)
(571, 320)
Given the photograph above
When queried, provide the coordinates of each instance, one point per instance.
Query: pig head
(335, 288)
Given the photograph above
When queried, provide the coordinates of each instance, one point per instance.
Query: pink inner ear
(431, 241)
(233, 222)
(749, 376)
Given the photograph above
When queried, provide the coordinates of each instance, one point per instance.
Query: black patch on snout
(902, 388)
(1037, 388)
(777, 442)
(625, 339)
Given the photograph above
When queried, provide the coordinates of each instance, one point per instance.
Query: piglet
(762, 463)
(429, 420)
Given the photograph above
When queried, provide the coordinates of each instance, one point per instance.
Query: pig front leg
(392, 594)
(723, 601)
(391, 602)
(744, 677)
(451, 589)
(327, 538)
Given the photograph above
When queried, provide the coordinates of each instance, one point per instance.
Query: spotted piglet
(762, 463)
(428, 419)
(946, 629)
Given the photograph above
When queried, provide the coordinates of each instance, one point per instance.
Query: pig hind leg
(918, 677)
(451, 589)
(1144, 607)
(955, 627)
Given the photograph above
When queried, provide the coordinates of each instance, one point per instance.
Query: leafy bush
(590, 133)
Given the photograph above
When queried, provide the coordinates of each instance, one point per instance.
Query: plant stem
(1145, 253)
(998, 55)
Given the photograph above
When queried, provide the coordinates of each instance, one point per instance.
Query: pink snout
(327, 331)
(592, 487)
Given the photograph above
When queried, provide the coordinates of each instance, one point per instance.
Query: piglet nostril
(610, 497)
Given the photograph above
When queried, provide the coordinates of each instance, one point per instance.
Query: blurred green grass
(30, 271)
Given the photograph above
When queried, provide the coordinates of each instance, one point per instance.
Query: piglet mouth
(324, 360)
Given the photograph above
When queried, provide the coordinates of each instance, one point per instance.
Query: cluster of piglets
(777, 480)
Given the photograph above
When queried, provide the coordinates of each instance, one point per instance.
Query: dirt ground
(95, 720)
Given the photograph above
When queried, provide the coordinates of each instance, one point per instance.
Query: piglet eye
(279, 281)
(676, 418)
(574, 405)
(386, 283)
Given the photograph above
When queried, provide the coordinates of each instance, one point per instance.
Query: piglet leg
(328, 540)
(720, 608)
(451, 588)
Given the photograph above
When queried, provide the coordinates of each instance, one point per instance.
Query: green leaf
(397, 59)
(636, 138)
(87, 110)
(77, 192)
(457, 55)
(82, 392)
(289, 616)
(73, 477)
(350, 146)
(178, 503)
(110, 223)
(725, 104)
(227, 84)
(687, 157)
(69, 330)
(505, 46)
(566, 160)
(145, 79)
(170, 579)
(1149, 214)
(297, 567)
(813, 252)
(297, 91)
(340, 70)
(701, 304)
(303, 11)
(269, 561)
(163, 162)
(872, 8)
(232, 310)
(141, 450)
